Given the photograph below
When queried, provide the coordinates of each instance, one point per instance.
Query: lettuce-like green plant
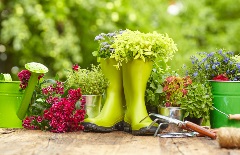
(130, 45)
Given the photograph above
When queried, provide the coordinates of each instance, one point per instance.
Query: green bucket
(10, 99)
(226, 99)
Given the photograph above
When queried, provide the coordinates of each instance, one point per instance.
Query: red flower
(184, 91)
(170, 79)
(40, 76)
(221, 77)
(75, 67)
(24, 76)
(168, 104)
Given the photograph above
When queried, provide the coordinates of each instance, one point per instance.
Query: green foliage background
(59, 33)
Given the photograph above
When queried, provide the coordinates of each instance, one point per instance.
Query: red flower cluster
(62, 116)
(24, 76)
(174, 88)
(27, 123)
(221, 77)
(51, 90)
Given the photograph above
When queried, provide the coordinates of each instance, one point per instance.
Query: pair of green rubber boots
(124, 107)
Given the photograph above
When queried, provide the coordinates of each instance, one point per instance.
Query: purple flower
(225, 60)
(210, 54)
(213, 66)
(99, 37)
(111, 34)
(195, 74)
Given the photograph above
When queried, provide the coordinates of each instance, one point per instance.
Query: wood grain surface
(36, 142)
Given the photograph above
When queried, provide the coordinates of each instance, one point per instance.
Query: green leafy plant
(154, 87)
(91, 81)
(130, 45)
(197, 102)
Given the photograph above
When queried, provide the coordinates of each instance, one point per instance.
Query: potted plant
(221, 69)
(174, 89)
(133, 54)
(93, 84)
(186, 99)
(136, 52)
(219, 65)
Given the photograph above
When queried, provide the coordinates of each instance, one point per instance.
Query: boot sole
(141, 132)
(90, 127)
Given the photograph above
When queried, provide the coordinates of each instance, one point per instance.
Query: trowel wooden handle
(200, 129)
(234, 116)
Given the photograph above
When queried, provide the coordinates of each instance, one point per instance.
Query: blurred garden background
(60, 33)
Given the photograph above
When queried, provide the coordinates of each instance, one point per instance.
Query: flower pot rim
(170, 107)
(9, 81)
(90, 95)
(224, 81)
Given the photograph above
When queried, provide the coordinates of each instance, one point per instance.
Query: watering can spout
(36, 69)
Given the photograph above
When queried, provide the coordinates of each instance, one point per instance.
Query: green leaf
(148, 53)
(159, 89)
(2, 77)
(186, 114)
(5, 77)
(152, 85)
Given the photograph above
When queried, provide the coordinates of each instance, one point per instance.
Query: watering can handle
(200, 129)
(234, 116)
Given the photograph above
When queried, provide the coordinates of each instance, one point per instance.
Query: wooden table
(36, 142)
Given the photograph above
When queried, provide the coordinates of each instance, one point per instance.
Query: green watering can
(14, 102)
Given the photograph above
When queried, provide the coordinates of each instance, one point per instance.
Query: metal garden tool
(229, 116)
(184, 125)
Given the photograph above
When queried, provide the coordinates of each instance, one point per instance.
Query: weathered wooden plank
(24, 142)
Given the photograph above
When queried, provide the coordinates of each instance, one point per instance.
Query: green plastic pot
(226, 98)
(10, 99)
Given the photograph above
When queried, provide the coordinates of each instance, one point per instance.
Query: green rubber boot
(112, 113)
(135, 77)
